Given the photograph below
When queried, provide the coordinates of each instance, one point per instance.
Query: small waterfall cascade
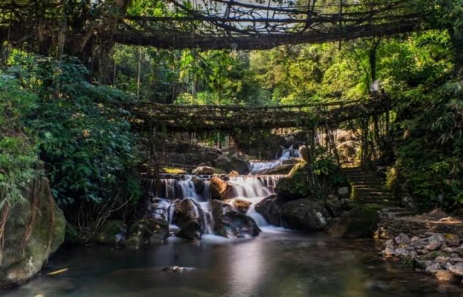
(286, 154)
(250, 188)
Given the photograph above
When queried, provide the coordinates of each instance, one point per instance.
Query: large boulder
(230, 163)
(359, 222)
(232, 224)
(304, 214)
(189, 217)
(147, 231)
(295, 185)
(270, 209)
(113, 232)
(33, 231)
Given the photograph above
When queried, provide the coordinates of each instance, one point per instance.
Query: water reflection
(276, 264)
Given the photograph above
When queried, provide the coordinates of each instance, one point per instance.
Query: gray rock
(433, 245)
(304, 214)
(401, 252)
(343, 191)
(402, 239)
(433, 268)
(456, 269)
(415, 239)
(270, 209)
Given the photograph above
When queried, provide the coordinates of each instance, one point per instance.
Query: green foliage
(82, 135)
(18, 156)
(429, 141)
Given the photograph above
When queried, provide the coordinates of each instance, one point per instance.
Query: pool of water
(277, 263)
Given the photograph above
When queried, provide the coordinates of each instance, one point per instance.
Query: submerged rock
(34, 230)
(360, 222)
(446, 276)
(113, 232)
(177, 269)
(304, 214)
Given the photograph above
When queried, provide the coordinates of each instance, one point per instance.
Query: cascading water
(263, 167)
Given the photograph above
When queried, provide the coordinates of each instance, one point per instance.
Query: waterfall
(263, 167)
(251, 188)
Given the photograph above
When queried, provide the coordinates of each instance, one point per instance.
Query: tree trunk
(457, 42)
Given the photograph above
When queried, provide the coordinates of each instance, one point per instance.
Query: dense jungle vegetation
(58, 119)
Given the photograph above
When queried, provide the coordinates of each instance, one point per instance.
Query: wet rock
(190, 231)
(189, 217)
(147, 231)
(203, 170)
(445, 276)
(402, 239)
(304, 214)
(360, 222)
(113, 232)
(232, 224)
(219, 189)
(433, 268)
(199, 184)
(270, 209)
(456, 269)
(158, 209)
(240, 205)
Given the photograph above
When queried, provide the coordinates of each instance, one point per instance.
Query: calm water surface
(277, 263)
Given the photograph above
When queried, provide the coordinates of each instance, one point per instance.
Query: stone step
(376, 192)
(391, 198)
(395, 210)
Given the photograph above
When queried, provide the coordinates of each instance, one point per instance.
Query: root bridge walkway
(203, 118)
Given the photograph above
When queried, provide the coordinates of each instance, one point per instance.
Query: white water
(263, 167)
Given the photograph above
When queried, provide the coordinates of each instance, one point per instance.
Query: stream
(277, 263)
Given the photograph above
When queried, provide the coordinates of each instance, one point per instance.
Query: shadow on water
(277, 263)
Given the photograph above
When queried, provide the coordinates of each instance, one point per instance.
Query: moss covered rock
(113, 232)
(305, 215)
(34, 230)
(147, 231)
(295, 185)
(359, 222)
